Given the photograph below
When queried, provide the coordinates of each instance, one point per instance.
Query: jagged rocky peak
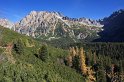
(112, 16)
(6, 23)
(38, 23)
(118, 12)
(84, 21)
(35, 19)
(44, 12)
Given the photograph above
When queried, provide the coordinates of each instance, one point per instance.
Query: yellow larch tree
(77, 51)
(73, 52)
(69, 57)
(83, 66)
(69, 60)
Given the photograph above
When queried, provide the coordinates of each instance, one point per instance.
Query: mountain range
(53, 26)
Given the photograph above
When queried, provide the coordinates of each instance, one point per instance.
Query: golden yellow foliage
(90, 74)
(82, 62)
(87, 71)
(69, 59)
(77, 51)
(72, 51)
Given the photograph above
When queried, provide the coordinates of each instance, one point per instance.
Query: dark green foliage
(18, 46)
(100, 72)
(43, 53)
(101, 77)
(113, 50)
(76, 63)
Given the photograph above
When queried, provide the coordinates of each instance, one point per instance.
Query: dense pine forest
(106, 59)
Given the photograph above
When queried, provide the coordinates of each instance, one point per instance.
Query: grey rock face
(85, 21)
(42, 22)
(6, 23)
(53, 24)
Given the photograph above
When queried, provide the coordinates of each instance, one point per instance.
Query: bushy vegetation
(29, 56)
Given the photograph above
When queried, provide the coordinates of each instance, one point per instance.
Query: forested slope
(22, 59)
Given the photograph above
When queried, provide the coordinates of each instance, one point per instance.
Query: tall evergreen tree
(76, 62)
(18, 46)
(43, 53)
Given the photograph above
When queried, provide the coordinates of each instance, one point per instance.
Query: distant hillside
(113, 28)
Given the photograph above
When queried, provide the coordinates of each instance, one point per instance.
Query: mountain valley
(50, 47)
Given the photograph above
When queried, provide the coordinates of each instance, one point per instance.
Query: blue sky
(15, 10)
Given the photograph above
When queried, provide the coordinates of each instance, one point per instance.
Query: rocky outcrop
(84, 21)
(6, 23)
(38, 22)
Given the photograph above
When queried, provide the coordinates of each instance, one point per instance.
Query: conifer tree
(69, 60)
(121, 67)
(77, 51)
(82, 62)
(43, 53)
(72, 51)
(76, 62)
(95, 58)
(18, 46)
(90, 73)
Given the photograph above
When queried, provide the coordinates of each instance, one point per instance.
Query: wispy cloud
(5, 13)
(17, 16)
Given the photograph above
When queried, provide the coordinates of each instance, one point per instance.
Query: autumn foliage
(77, 59)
